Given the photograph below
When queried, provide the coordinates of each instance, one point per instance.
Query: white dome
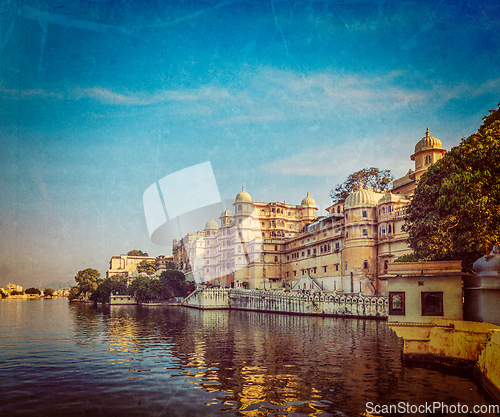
(243, 195)
(211, 224)
(308, 202)
(361, 198)
(428, 142)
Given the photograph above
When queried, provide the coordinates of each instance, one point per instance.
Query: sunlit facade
(282, 246)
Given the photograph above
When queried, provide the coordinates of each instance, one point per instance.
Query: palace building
(282, 246)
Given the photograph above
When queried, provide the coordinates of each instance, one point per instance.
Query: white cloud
(377, 151)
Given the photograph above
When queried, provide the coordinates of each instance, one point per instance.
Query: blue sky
(100, 99)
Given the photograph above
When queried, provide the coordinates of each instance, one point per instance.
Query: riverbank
(319, 304)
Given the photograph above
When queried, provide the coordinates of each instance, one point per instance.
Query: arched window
(239, 207)
(390, 229)
(386, 265)
(275, 259)
(338, 209)
(428, 160)
(275, 247)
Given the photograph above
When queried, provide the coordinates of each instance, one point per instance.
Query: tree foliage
(175, 281)
(455, 211)
(88, 280)
(48, 292)
(149, 267)
(74, 293)
(409, 257)
(136, 252)
(370, 178)
(115, 284)
(32, 290)
(148, 289)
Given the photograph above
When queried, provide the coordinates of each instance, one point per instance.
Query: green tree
(409, 257)
(170, 265)
(115, 284)
(136, 252)
(74, 293)
(146, 289)
(175, 282)
(88, 280)
(149, 267)
(32, 290)
(455, 211)
(370, 178)
(48, 292)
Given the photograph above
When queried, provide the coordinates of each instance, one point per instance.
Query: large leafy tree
(455, 211)
(147, 289)
(175, 282)
(136, 252)
(115, 284)
(370, 178)
(88, 280)
(32, 290)
(149, 267)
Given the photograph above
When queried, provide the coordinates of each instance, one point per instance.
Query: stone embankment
(374, 307)
(458, 343)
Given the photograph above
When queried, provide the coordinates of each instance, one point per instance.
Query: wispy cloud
(347, 157)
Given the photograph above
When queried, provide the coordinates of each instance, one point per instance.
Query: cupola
(243, 196)
(360, 198)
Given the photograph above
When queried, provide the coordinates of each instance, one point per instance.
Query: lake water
(71, 359)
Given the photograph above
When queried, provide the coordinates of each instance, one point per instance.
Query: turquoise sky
(100, 99)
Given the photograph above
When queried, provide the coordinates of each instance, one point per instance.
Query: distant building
(275, 245)
(127, 265)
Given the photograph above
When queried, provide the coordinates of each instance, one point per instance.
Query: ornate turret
(427, 151)
(308, 209)
(243, 196)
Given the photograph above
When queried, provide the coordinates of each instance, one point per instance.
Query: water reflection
(261, 364)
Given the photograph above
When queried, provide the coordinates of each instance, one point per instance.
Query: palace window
(432, 303)
(365, 264)
(337, 246)
(239, 221)
(239, 248)
(275, 259)
(396, 303)
(308, 252)
(275, 247)
(303, 253)
(346, 233)
(294, 273)
(389, 229)
(336, 267)
(365, 232)
(365, 214)
(287, 258)
(324, 268)
(338, 209)
(239, 207)
(346, 266)
(428, 160)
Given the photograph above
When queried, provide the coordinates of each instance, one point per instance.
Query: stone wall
(455, 343)
(288, 302)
